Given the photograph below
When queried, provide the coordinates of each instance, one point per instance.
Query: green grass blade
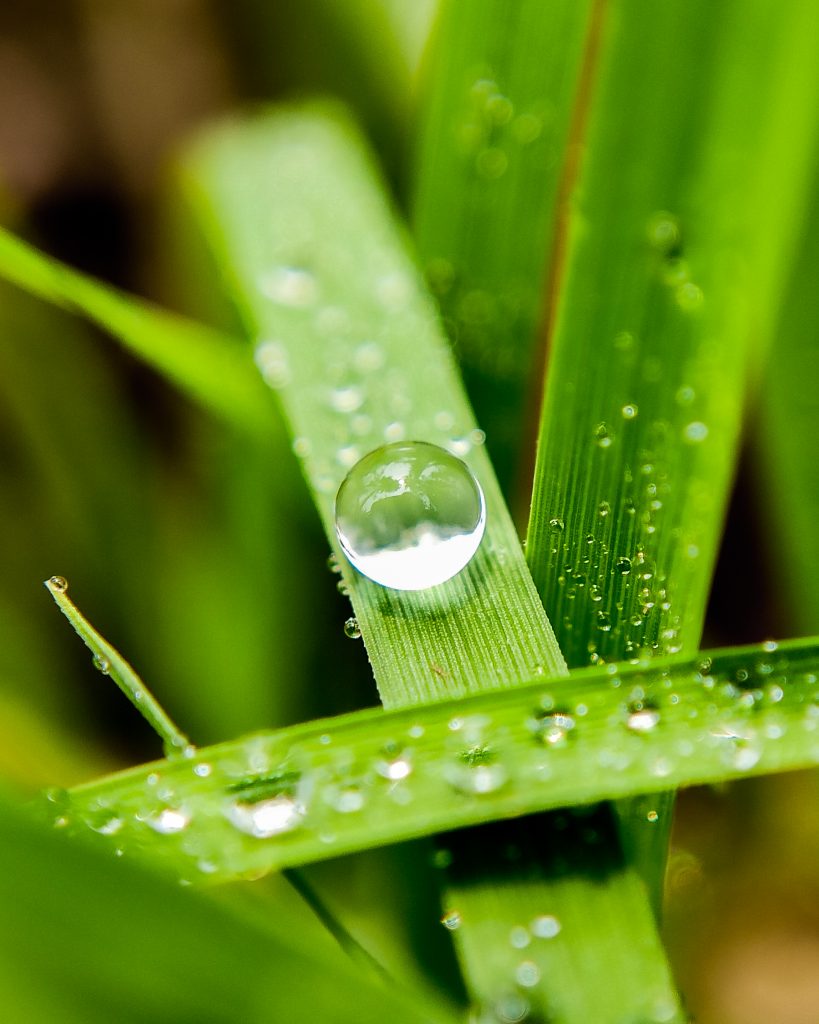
(208, 366)
(671, 268)
(677, 241)
(491, 155)
(121, 944)
(335, 294)
(313, 791)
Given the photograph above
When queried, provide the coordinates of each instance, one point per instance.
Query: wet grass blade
(493, 142)
(350, 341)
(313, 791)
(677, 242)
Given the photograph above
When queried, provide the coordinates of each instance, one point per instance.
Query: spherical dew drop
(410, 515)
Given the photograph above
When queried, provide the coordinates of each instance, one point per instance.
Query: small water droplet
(663, 231)
(491, 163)
(689, 297)
(603, 509)
(602, 436)
(203, 770)
(410, 515)
(452, 920)
(394, 291)
(333, 564)
(368, 357)
(169, 821)
(346, 799)
(394, 764)
(552, 727)
(271, 358)
(769, 646)
(302, 447)
(101, 664)
(58, 583)
(352, 628)
(545, 926)
(604, 622)
(557, 525)
(477, 771)
(695, 432)
(643, 717)
(527, 973)
(289, 286)
(395, 431)
(346, 399)
(652, 816)
(519, 937)
(623, 566)
(629, 411)
(265, 818)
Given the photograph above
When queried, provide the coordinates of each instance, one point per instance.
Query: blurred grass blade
(206, 365)
(787, 416)
(332, 296)
(280, 799)
(121, 944)
(492, 149)
(676, 243)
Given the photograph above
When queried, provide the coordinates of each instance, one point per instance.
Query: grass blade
(208, 366)
(313, 791)
(491, 155)
(332, 296)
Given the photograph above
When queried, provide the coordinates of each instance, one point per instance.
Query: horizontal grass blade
(314, 791)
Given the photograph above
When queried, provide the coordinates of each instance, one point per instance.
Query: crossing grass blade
(289, 797)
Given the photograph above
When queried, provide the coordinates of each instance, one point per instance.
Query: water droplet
(58, 583)
(623, 566)
(689, 297)
(169, 821)
(552, 727)
(203, 770)
(603, 509)
(346, 399)
(642, 717)
(685, 395)
(602, 436)
(410, 515)
(770, 646)
(491, 163)
(545, 926)
(629, 411)
(526, 128)
(652, 816)
(695, 432)
(265, 818)
(101, 664)
(346, 799)
(368, 357)
(511, 1008)
(477, 771)
(271, 358)
(604, 622)
(477, 437)
(302, 447)
(333, 564)
(289, 286)
(519, 937)
(557, 525)
(348, 456)
(527, 973)
(352, 628)
(394, 291)
(452, 920)
(395, 431)
(394, 764)
(663, 231)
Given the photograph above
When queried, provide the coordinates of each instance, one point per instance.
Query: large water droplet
(352, 628)
(477, 771)
(58, 583)
(169, 820)
(410, 515)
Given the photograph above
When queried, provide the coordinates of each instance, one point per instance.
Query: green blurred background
(196, 550)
